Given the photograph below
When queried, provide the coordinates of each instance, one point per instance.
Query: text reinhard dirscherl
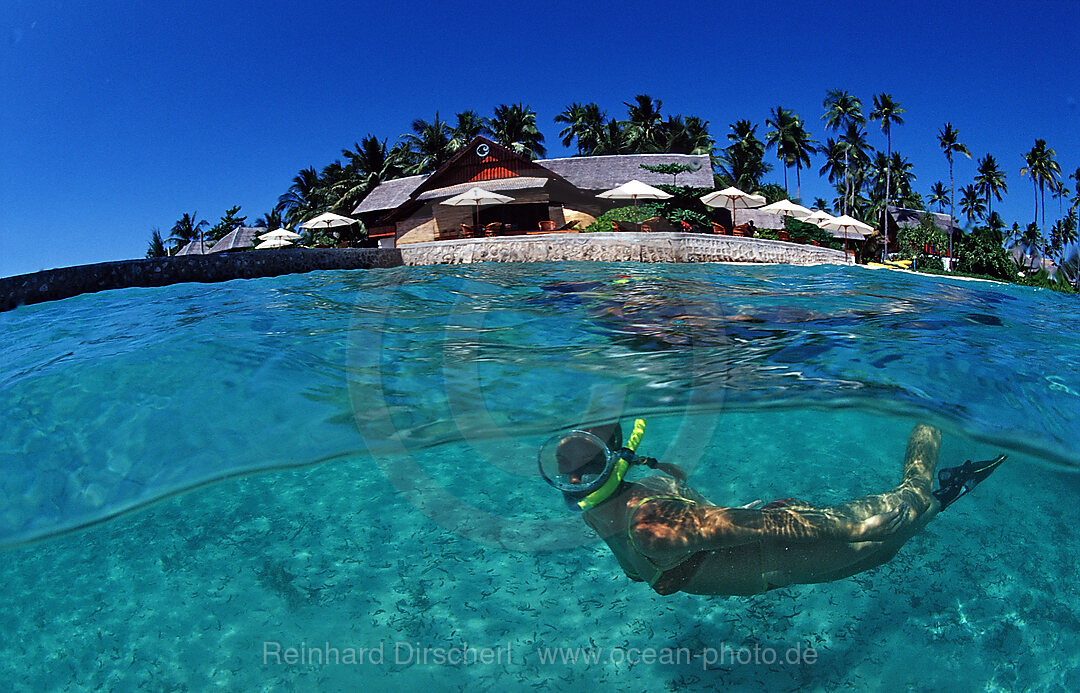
(455, 655)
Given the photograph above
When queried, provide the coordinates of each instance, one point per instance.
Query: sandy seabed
(193, 593)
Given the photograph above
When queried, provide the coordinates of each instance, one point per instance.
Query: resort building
(901, 217)
(240, 238)
(195, 248)
(548, 194)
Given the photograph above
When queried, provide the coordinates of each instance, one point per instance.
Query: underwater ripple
(113, 400)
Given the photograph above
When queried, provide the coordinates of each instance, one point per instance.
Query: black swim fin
(954, 482)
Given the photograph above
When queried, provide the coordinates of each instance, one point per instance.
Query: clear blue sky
(120, 115)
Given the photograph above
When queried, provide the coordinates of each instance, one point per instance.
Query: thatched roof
(901, 217)
(389, 194)
(588, 173)
(762, 220)
(1031, 261)
(195, 248)
(238, 239)
(605, 172)
(519, 183)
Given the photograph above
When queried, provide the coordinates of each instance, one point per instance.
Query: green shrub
(645, 210)
(1043, 280)
(811, 232)
(926, 263)
(982, 252)
(913, 241)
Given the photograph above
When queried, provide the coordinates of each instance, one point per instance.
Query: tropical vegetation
(751, 153)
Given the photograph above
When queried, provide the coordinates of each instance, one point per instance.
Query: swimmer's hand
(881, 526)
(753, 505)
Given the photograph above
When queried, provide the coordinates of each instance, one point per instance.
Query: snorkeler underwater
(345, 463)
(666, 534)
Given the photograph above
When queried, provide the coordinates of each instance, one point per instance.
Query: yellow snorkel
(621, 467)
(570, 462)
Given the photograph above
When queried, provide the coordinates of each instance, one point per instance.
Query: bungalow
(900, 217)
(195, 248)
(552, 192)
(240, 238)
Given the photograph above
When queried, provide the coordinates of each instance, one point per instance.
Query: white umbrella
(327, 220)
(477, 198)
(634, 190)
(818, 217)
(280, 234)
(843, 225)
(787, 208)
(732, 198)
(273, 243)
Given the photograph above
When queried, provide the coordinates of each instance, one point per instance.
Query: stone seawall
(50, 285)
(619, 247)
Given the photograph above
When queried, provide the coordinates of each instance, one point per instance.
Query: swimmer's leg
(915, 489)
(785, 564)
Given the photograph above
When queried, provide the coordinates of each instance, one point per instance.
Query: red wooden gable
(481, 160)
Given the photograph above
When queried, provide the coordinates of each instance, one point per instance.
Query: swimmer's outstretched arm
(673, 528)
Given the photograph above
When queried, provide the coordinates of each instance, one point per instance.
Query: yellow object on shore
(897, 264)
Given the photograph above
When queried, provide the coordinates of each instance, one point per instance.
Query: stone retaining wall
(619, 247)
(55, 284)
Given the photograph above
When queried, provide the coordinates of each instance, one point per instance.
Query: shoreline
(66, 282)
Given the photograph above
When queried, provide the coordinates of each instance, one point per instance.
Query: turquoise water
(346, 460)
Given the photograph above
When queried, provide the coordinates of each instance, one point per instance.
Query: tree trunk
(952, 211)
(1042, 198)
(1036, 220)
(847, 181)
(885, 207)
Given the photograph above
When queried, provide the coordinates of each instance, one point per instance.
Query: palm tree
(340, 189)
(878, 172)
(644, 125)
(1043, 170)
(800, 147)
(990, 181)
(858, 153)
(514, 127)
(821, 203)
(940, 196)
(301, 199)
(949, 141)
(271, 220)
(886, 111)
(157, 245)
(612, 139)
(469, 126)
(1068, 232)
(901, 172)
(743, 161)
(428, 145)
(689, 135)
(971, 204)
(1076, 177)
(842, 110)
(782, 121)
(1032, 241)
(835, 166)
(1058, 190)
(186, 229)
(583, 123)
(374, 162)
